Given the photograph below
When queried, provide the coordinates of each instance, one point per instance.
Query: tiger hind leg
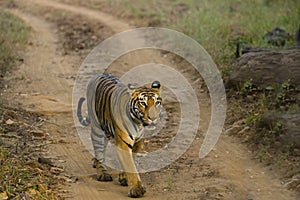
(102, 174)
(99, 142)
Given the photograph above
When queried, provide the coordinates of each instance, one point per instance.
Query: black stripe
(130, 117)
(132, 110)
(104, 90)
(130, 146)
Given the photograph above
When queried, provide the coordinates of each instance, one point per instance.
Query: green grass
(217, 25)
(13, 36)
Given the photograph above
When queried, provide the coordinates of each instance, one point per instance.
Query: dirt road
(44, 84)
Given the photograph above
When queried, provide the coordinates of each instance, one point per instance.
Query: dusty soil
(43, 84)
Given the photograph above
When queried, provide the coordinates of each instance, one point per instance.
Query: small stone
(44, 160)
(250, 197)
(74, 179)
(196, 190)
(250, 98)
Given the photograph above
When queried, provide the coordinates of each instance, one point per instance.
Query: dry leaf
(3, 196)
(32, 191)
(9, 122)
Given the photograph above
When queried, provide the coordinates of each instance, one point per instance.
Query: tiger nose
(152, 115)
(154, 121)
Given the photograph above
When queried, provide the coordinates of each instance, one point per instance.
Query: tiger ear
(155, 84)
(130, 86)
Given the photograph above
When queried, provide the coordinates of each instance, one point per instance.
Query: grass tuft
(13, 36)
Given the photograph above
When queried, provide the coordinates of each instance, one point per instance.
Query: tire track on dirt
(229, 158)
(39, 68)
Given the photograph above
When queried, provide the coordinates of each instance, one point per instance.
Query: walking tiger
(121, 112)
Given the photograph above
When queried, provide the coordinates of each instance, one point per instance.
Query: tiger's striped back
(105, 86)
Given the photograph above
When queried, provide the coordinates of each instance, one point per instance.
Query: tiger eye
(143, 104)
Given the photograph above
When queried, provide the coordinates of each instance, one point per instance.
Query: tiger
(121, 112)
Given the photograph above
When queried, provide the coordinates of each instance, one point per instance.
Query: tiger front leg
(136, 189)
(122, 176)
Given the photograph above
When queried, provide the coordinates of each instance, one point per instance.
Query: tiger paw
(136, 192)
(104, 177)
(123, 179)
(123, 182)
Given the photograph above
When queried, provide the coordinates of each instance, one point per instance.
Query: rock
(44, 160)
(266, 68)
(277, 37)
(196, 190)
(250, 197)
(250, 49)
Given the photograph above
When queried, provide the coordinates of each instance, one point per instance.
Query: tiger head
(145, 104)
